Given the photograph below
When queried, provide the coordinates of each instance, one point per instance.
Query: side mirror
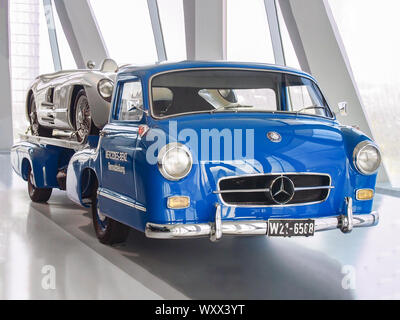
(90, 64)
(342, 106)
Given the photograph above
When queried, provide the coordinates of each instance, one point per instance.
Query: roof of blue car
(187, 64)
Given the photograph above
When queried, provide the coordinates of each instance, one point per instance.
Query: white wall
(6, 137)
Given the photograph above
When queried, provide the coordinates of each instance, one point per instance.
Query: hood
(239, 142)
(308, 145)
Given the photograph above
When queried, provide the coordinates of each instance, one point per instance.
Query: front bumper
(216, 229)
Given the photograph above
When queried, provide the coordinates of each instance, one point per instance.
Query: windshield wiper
(230, 106)
(310, 107)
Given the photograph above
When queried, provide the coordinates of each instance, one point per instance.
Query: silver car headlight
(105, 88)
(174, 161)
(366, 157)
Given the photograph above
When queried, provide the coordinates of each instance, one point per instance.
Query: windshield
(212, 91)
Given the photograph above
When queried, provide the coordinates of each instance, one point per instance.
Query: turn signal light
(143, 130)
(364, 194)
(178, 202)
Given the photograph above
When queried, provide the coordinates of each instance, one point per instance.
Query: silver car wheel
(83, 119)
(34, 120)
(102, 217)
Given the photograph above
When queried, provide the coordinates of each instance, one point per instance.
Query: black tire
(37, 194)
(108, 231)
(93, 129)
(39, 130)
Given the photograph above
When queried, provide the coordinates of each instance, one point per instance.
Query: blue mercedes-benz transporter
(212, 148)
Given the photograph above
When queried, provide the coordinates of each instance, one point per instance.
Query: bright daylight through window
(366, 27)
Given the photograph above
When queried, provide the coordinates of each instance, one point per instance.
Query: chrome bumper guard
(215, 230)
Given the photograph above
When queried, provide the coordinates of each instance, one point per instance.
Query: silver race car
(75, 101)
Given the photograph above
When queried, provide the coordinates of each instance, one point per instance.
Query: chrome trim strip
(247, 227)
(241, 190)
(70, 144)
(267, 189)
(313, 188)
(125, 202)
(218, 191)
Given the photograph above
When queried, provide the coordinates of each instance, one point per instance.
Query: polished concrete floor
(49, 251)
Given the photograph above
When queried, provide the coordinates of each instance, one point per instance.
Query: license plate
(291, 228)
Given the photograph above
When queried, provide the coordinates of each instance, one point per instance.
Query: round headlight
(174, 161)
(366, 157)
(105, 88)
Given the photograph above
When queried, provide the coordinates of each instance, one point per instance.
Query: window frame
(116, 108)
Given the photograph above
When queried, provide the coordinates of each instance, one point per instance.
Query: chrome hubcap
(31, 185)
(83, 120)
(34, 120)
(102, 217)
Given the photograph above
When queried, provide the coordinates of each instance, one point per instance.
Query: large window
(290, 54)
(248, 37)
(126, 30)
(173, 27)
(31, 53)
(24, 49)
(67, 59)
(367, 28)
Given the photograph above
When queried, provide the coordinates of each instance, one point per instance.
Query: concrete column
(6, 136)
(322, 50)
(51, 28)
(205, 28)
(275, 32)
(81, 30)
(294, 34)
(157, 29)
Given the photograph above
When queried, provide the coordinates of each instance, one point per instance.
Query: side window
(131, 103)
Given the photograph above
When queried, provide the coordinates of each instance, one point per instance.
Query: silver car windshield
(213, 90)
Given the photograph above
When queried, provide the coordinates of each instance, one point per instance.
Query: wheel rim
(31, 186)
(34, 119)
(102, 219)
(83, 120)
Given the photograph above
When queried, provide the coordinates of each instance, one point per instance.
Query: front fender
(79, 163)
(100, 108)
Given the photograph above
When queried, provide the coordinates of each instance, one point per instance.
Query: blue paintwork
(309, 144)
(45, 161)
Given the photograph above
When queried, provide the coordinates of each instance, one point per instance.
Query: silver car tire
(36, 128)
(83, 123)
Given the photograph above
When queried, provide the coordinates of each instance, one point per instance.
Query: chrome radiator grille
(275, 189)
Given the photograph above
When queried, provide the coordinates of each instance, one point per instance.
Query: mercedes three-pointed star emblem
(282, 190)
(274, 136)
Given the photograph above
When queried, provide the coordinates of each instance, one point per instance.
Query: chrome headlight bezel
(162, 158)
(356, 155)
(100, 89)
